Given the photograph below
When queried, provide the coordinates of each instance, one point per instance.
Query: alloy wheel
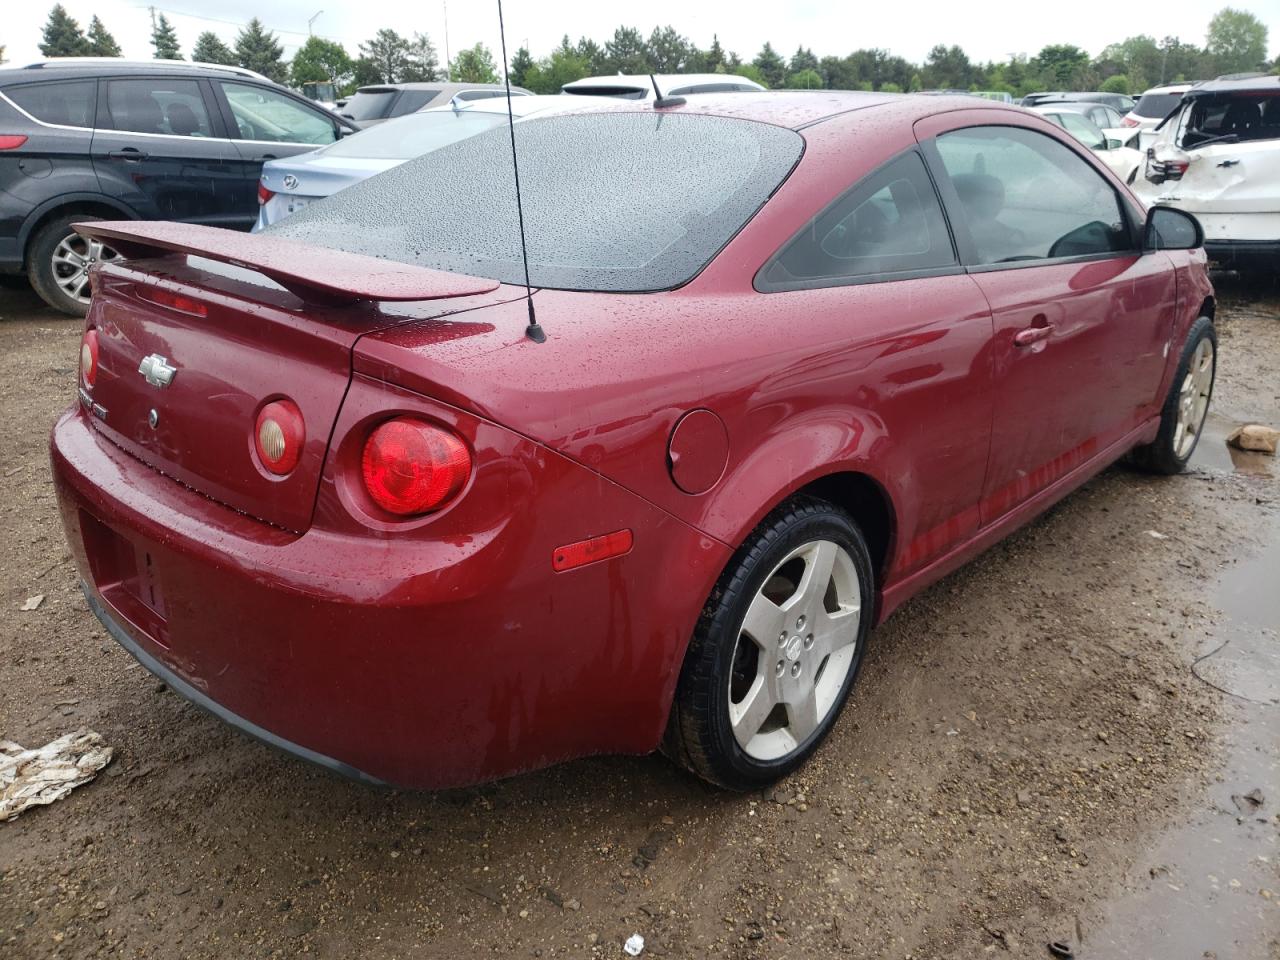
(72, 258)
(1193, 399)
(795, 649)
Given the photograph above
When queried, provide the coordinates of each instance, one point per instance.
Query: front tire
(58, 262)
(1185, 408)
(776, 650)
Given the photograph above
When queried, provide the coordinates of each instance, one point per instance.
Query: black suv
(144, 141)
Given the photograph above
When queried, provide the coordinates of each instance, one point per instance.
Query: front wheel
(58, 264)
(776, 649)
(1187, 405)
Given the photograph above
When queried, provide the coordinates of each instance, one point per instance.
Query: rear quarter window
(69, 103)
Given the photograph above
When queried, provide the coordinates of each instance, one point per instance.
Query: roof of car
(1066, 106)
(1169, 88)
(1237, 83)
(56, 68)
(446, 86)
(665, 80)
(798, 109)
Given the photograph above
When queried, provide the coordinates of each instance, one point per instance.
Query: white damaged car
(1218, 157)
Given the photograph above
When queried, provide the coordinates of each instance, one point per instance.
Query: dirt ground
(1023, 736)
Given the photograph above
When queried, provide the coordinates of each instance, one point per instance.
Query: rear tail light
(12, 141)
(89, 358)
(174, 301)
(278, 436)
(1166, 167)
(264, 194)
(412, 467)
(1129, 121)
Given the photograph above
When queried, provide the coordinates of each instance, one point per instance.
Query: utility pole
(448, 66)
(313, 20)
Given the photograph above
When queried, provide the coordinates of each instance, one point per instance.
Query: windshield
(1241, 117)
(369, 104)
(1156, 106)
(414, 135)
(612, 201)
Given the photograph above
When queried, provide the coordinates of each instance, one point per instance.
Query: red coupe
(804, 355)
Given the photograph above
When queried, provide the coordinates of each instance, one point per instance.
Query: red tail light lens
(89, 358)
(11, 141)
(1129, 121)
(263, 193)
(278, 436)
(412, 467)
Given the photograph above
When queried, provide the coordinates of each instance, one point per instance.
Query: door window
(1079, 127)
(65, 104)
(264, 114)
(173, 107)
(890, 223)
(1025, 196)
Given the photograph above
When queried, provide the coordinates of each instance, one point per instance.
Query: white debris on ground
(32, 603)
(1255, 437)
(634, 945)
(30, 778)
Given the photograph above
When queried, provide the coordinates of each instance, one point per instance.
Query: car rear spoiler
(317, 275)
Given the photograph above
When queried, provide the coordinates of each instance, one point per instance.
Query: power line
(235, 23)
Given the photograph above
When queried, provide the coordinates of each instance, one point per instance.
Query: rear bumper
(1244, 254)
(424, 663)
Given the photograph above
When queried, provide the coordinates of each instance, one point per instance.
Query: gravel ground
(1020, 735)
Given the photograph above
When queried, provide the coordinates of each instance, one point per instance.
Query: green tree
(521, 64)
(164, 40)
(590, 52)
(1062, 65)
(714, 61)
(210, 49)
(1237, 41)
(947, 68)
(551, 73)
(320, 61)
(803, 60)
(750, 71)
(668, 50)
(386, 58)
(258, 49)
(475, 65)
(101, 42)
(771, 66)
(626, 52)
(806, 80)
(423, 65)
(62, 35)
(1116, 83)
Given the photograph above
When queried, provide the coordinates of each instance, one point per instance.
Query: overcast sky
(987, 31)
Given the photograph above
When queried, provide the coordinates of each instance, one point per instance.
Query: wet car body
(450, 648)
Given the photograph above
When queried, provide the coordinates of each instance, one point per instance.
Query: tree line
(1236, 41)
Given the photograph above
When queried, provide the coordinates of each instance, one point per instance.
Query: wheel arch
(90, 204)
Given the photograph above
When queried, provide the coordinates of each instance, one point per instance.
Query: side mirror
(1114, 144)
(1171, 229)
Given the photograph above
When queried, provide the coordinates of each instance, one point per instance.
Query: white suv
(1154, 105)
(1218, 157)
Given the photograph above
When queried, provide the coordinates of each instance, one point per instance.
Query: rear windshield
(612, 201)
(369, 105)
(413, 136)
(1156, 106)
(1237, 117)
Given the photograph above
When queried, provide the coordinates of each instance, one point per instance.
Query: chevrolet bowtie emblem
(157, 371)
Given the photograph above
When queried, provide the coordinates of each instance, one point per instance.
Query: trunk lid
(236, 341)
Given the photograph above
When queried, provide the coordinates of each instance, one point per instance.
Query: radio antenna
(532, 331)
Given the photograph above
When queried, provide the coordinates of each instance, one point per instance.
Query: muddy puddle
(1210, 887)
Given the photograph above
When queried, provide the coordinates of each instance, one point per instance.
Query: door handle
(1229, 162)
(1041, 330)
(264, 158)
(128, 153)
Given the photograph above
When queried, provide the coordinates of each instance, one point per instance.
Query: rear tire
(58, 261)
(776, 649)
(1185, 408)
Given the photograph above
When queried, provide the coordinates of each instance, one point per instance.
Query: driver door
(1082, 318)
